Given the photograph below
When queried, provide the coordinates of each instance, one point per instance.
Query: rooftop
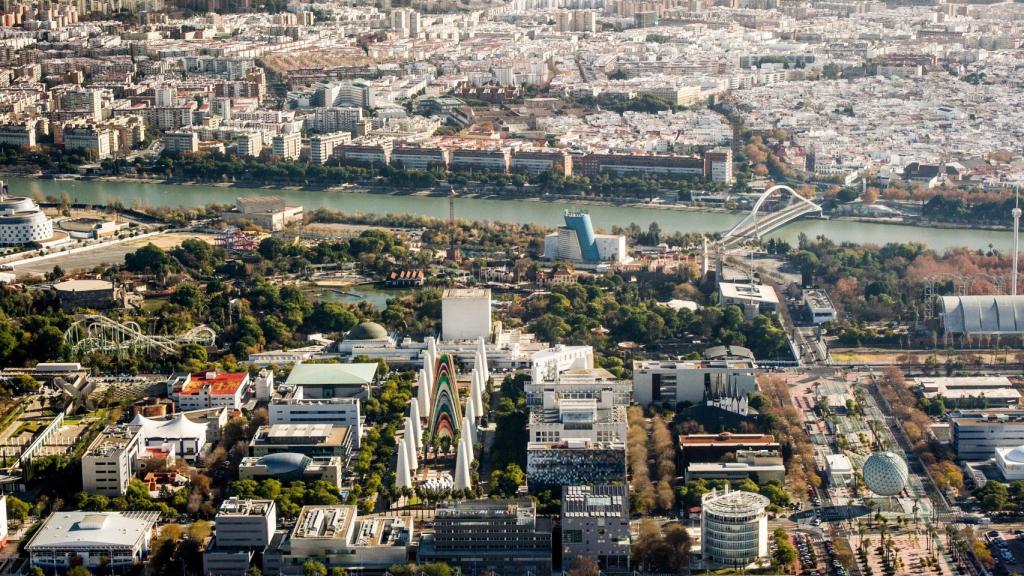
(237, 507)
(218, 383)
(360, 374)
(466, 293)
(331, 522)
(74, 530)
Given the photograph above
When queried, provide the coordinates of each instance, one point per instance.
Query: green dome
(367, 331)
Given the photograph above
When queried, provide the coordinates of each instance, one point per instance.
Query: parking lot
(1007, 550)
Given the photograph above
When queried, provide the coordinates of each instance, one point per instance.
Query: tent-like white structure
(188, 437)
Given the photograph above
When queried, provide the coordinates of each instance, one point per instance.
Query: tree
(17, 509)
(870, 195)
(785, 553)
(583, 566)
(79, 571)
(148, 259)
(313, 568)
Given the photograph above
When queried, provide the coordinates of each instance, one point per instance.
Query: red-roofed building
(208, 390)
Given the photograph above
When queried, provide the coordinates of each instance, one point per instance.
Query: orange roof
(220, 384)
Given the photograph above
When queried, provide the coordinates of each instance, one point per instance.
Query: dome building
(885, 473)
(734, 527)
(1011, 463)
(364, 338)
(290, 466)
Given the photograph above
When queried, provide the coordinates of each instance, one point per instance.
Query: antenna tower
(1016, 243)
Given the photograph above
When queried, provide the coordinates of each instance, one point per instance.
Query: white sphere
(886, 473)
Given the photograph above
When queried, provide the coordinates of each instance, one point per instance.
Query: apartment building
(321, 146)
(23, 135)
(419, 158)
(287, 146)
(181, 142)
(469, 159)
(536, 162)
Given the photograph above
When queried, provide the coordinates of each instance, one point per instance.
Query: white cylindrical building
(22, 222)
(734, 527)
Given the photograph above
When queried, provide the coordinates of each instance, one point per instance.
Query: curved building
(22, 221)
(290, 466)
(577, 242)
(734, 527)
(1011, 463)
(983, 314)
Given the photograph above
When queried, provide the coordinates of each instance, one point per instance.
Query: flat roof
(725, 439)
(326, 522)
(754, 292)
(466, 293)
(220, 383)
(359, 374)
(76, 530)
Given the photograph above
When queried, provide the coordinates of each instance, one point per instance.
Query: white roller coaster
(95, 333)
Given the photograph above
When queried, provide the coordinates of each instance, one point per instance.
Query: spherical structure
(886, 473)
(367, 331)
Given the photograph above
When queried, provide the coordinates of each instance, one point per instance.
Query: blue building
(577, 242)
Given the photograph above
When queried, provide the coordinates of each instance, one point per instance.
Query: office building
(4, 530)
(208, 390)
(548, 364)
(108, 464)
(573, 416)
(318, 381)
(818, 307)
(754, 299)
(289, 406)
(712, 447)
(668, 383)
(575, 462)
(335, 536)
(479, 535)
(245, 523)
(577, 242)
(314, 440)
(595, 525)
(466, 314)
(734, 528)
(108, 540)
(976, 434)
(761, 466)
(970, 391)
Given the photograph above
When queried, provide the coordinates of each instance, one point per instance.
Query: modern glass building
(734, 527)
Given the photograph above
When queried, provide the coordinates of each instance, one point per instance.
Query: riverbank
(544, 211)
(546, 198)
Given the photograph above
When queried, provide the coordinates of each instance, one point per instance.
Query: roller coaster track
(94, 333)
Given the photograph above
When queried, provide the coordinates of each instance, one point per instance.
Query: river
(517, 211)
